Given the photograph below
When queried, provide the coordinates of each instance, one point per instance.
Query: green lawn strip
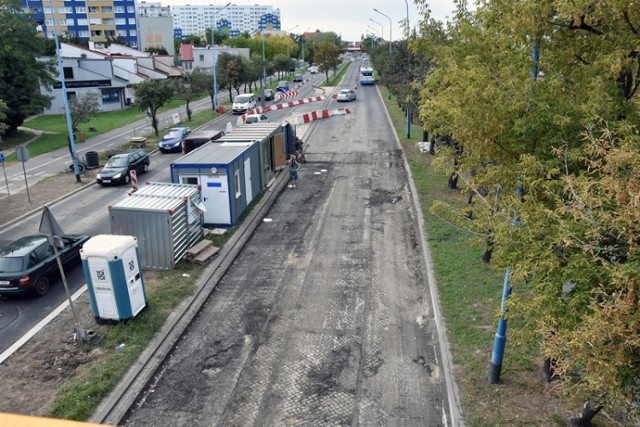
(78, 399)
(333, 81)
(470, 294)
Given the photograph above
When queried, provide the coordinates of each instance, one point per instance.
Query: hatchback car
(269, 95)
(297, 78)
(28, 265)
(283, 86)
(256, 118)
(346, 95)
(172, 140)
(117, 169)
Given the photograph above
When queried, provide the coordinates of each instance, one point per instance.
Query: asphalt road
(327, 315)
(86, 212)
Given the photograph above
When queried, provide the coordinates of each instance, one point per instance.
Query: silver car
(346, 95)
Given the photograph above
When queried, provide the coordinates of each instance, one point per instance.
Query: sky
(348, 18)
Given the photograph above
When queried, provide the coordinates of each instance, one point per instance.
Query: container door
(279, 151)
(215, 196)
(102, 285)
(247, 180)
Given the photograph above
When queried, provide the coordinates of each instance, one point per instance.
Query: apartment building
(194, 19)
(95, 20)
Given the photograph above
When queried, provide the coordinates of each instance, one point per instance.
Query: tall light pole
(390, 24)
(381, 27)
(215, 58)
(287, 33)
(408, 27)
(264, 71)
(373, 45)
(303, 33)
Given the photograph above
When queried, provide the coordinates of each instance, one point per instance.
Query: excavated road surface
(325, 318)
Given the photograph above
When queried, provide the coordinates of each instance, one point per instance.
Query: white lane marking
(26, 337)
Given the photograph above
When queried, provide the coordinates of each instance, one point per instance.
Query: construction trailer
(166, 219)
(228, 175)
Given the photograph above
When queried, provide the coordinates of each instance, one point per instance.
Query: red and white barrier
(320, 114)
(134, 179)
(289, 94)
(260, 110)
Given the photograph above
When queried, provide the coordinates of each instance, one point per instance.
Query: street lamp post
(215, 59)
(287, 32)
(264, 71)
(390, 24)
(381, 28)
(303, 33)
(408, 28)
(373, 45)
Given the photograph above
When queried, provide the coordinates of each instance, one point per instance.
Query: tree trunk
(453, 181)
(586, 415)
(548, 372)
(188, 111)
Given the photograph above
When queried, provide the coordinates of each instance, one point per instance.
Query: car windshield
(241, 99)
(175, 133)
(344, 92)
(10, 264)
(117, 162)
(252, 120)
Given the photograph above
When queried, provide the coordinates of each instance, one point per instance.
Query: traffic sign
(1, 158)
(22, 153)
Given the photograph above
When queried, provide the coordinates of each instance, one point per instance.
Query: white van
(243, 103)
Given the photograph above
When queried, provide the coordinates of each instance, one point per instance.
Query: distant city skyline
(349, 19)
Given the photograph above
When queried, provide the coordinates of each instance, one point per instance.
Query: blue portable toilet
(112, 270)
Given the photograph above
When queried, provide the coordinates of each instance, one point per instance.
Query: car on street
(256, 118)
(313, 69)
(199, 138)
(118, 168)
(346, 95)
(29, 265)
(243, 103)
(172, 140)
(269, 95)
(297, 78)
(283, 86)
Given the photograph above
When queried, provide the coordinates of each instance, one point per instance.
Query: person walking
(300, 151)
(293, 171)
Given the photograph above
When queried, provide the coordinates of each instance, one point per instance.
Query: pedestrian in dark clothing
(293, 171)
(299, 151)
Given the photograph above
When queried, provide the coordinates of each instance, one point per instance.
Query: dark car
(269, 94)
(172, 140)
(29, 264)
(283, 86)
(117, 169)
(199, 138)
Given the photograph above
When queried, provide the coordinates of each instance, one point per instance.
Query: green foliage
(192, 85)
(152, 95)
(20, 73)
(568, 140)
(328, 58)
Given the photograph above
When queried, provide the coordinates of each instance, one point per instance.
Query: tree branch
(628, 21)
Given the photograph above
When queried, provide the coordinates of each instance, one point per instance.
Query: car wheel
(42, 286)
(145, 168)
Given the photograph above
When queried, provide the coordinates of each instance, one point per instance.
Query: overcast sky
(347, 18)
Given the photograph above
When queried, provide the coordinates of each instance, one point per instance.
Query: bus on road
(366, 76)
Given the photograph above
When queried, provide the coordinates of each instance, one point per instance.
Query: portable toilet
(112, 270)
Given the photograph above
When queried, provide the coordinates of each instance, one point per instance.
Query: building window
(119, 9)
(67, 72)
(236, 181)
(121, 33)
(110, 96)
(81, 9)
(132, 21)
(84, 33)
(133, 33)
(131, 9)
(82, 22)
(93, 9)
(71, 96)
(121, 21)
(201, 58)
(107, 9)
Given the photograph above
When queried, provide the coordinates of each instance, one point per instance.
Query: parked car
(346, 95)
(29, 265)
(119, 166)
(172, 141)
(283, 86)
(269, 95)
(297, 78)
(199, 138)
(256, 118)
(243, 103)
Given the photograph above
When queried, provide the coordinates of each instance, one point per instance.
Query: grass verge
(470, 294)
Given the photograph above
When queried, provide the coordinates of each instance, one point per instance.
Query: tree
(3, 117)
(328, 58)
(160, 50)
(20, 73)
(192, 85)
(559, 156)
(83, 108)
(151, 96)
